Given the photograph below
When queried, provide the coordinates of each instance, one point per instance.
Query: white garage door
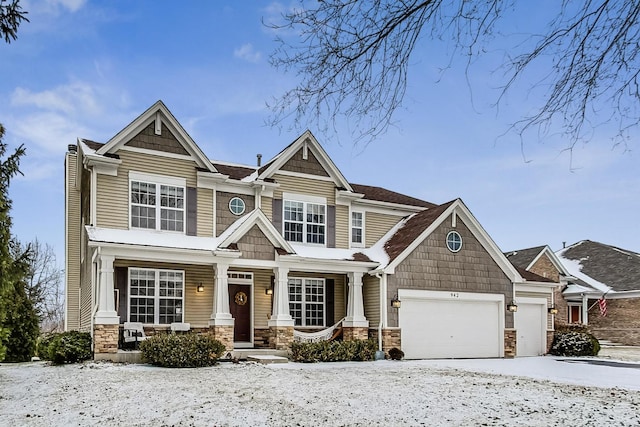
(437, 325)
(531, 329)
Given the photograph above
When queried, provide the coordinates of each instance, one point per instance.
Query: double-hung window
(157, 202)
(155, 296)
(305, 219)
(357, 229)
(307, 301)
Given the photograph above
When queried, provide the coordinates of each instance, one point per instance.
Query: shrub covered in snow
(181, 350)
(574, 343)
(65, 347)
(333, 351)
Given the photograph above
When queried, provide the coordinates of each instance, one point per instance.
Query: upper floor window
(305, 222)
(357, 228)
(157, 203)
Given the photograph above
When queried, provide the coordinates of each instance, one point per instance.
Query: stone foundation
(105, 338)
(281, 337)
(549, 340)
(510, 341)
(224, 334)
(390, 338)
(355, 333)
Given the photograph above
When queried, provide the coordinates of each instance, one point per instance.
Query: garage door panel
(450, 328)
(530, 324)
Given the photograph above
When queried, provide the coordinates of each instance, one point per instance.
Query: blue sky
(87, 68)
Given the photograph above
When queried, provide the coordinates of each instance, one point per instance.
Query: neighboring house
(600, 271)
(537, 300)
(157, 233)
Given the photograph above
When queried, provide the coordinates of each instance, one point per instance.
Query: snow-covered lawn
(540, 391)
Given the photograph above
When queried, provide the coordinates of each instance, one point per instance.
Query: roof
(602, 267)
(524, 257)
(383, 195)
(413, 227)
(532, 277)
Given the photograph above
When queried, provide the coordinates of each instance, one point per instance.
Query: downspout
(94, 287)
(383, 313)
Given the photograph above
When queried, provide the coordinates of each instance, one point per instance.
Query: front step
(266, 359)
(245, 353)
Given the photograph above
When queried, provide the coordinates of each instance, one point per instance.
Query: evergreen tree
(13, 266)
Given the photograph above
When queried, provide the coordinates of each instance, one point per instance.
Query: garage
(439, 325)
(530, 324)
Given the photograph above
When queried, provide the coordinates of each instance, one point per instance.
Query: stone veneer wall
(390, 338)
(281, 337)
(545, 268)
(356, 333)
(549, 340)
(224, 334)
(510, 341)
(105, 338)
(261, 337)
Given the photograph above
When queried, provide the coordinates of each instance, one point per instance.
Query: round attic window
(236, 206)
(454, 241)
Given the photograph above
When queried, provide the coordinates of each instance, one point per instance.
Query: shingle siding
(224, 217)
(432, 266)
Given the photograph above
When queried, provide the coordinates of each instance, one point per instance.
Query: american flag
(602, 303)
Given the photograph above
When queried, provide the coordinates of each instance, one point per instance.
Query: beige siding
(113, 191)
(267, 207)
(86, 297)
(197, 305)
(307, 186)
(371, 296)
(376, 225)
(342, 227)
(205, 212)
(72, 237)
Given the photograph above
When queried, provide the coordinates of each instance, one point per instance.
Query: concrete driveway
(620, 352)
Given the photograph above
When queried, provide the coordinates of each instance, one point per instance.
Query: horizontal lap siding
(197, 305)
(307, 186)
(73, 244)
(86, 298)
(376, 225)
(266, 206)
(113, 191)
(342, 227)
(371, 296)
(205, 212)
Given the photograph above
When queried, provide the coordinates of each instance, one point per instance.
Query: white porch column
(106, 314)
(280, 315)
(221, 316)
(585, 309)
(355, 306)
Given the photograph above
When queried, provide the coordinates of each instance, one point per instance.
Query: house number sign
(241, 298)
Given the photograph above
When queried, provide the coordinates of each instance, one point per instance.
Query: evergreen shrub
(396, 354)
(65, 347)
(574, 343)
(189, 350)
(334, 351)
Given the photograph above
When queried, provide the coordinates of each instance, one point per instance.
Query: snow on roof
(152, 238)
(576, 289)
(320, 252)
(575, 269)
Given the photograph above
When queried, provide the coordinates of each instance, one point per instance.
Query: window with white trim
(304, 222)
(157, 205)
(357, 229)
(307, 301)
(155, 296)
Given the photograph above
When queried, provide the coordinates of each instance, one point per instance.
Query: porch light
(269, 291)
(552, 309)
(512, 307)
(200, 287)
(395, 302)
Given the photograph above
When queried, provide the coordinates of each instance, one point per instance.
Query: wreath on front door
(241, 298)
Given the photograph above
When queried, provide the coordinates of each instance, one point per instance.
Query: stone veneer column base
(390, 338)
(355, 333)
(224, 334)
(281, 337)
(105, 339)
(510, 343)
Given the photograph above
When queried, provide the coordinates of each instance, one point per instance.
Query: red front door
(240, 307)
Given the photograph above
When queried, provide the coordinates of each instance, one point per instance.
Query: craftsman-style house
(158, 234)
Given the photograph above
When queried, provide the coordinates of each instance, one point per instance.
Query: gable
(545, 268)
(255, 245)
(309, 165)
(149, 140)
